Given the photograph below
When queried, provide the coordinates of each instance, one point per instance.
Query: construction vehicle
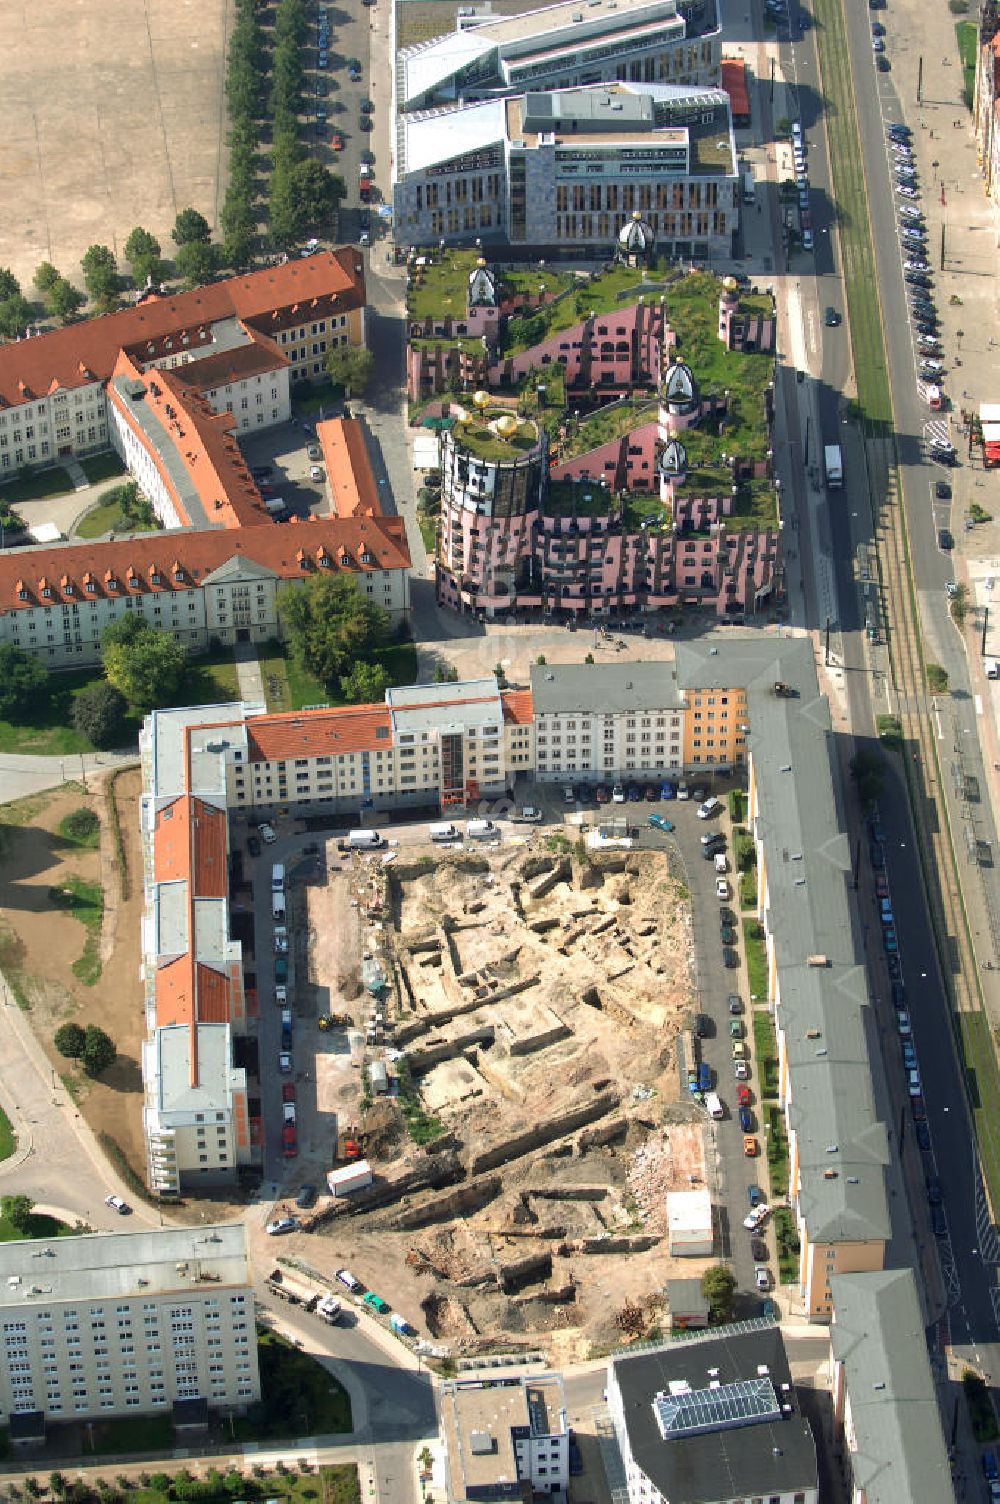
(301, 1292)
(329, 1021)
(350, 1145)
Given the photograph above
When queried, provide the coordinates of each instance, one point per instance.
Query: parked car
(903, 1022)
(758, 1250)
(667, 789)
(755, 1195)
(376, 1302)
(743, 1095)
(762, 1277)
(266, 833)
(117, 1204)
(284, 1062)
(746, 1119)
(730, 958)
(935, 1194)
(735, 1003)
(253, 846)
(306, 1197)
(721, 888)
(661, 823)
(618, 794)
(281, 1225)
(528, 814)
(750, 1146)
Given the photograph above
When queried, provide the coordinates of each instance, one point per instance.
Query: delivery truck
(833, 466)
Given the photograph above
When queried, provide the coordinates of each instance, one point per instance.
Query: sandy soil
(41, 943)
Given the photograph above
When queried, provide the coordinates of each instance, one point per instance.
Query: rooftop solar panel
(746, 1403)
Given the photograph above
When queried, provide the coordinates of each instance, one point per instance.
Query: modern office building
(547, 170)
(887, 1418)
(561, 46)
(151, 1322)
(713, 1419)
(505, 1436)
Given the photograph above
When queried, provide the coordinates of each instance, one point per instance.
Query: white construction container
(349, 1178)
(689, 1224)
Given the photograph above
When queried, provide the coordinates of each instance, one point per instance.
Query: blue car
(661, 823)
(885, 911)
(667, 790)
(754, 1195)
(321, 61)
(746, 1120)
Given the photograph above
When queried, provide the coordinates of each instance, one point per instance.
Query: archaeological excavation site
(512, 1081)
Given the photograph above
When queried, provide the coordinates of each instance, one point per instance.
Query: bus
(748, 185)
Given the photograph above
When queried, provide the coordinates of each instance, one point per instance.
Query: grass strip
(765, 1047)
(85, 901)
(117, 839)
(753, 941)
(8, 1138)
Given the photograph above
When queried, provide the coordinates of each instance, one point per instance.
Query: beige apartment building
(128, 1323)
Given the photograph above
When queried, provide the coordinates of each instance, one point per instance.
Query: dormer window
(90, 587)
(155, 577)
(47, 592)
(68, 587)
(324, 560)
(178, 574)
(112, 583)
(22, 594)
(367, 558)
(345, 560)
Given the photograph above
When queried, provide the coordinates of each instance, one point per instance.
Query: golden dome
(507, 426)
(480, 400)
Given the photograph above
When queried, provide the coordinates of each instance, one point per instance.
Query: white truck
(349, 1178)
(833, 465)
(302, 1292)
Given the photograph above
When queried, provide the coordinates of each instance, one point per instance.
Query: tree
(197, 262)
(140, 248)
(190, 227)
(330, 625)
(9, 285)
(147, 666)
(98, 1051)
(69, 1039)
(57, 1484)
(45, 275)
(744, 850)
(99, 714)
(937, 679)
(718, 1285)
(63, 299)
(23, 680)
(366, 683)
(316, 192)
(868, 772)
(100, 273)
(15, 316)
(352, 367)
(17, 1211)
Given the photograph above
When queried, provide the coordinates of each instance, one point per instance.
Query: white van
(364, 840)
(713, 1105)
(721, 863)
(278, 907)
(992, 668)
(443, 831)
(480, 830)
(278, 878)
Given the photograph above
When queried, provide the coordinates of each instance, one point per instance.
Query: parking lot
(338, 95)
(285, 450)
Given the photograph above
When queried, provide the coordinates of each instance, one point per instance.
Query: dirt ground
(39, 943)
(113, 117)
(536, 1000)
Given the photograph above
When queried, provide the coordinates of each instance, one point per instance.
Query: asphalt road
(968, 1283)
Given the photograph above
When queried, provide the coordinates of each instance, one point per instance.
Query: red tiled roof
(275, 298)
(238, 364)
(319, 733)
(348, 468)
(213, 995)
(517, 706)
(201, 438)
(211, 877)
(160, 563)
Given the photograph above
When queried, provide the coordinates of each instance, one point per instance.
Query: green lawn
(38, 1227)
(788, 1245)
(335, 1484)
(86, 902)
(98, 467)
(428, 532)
(765, 1048)
(211, 680)
(298, 1396)
(320, 396)
(748, 888)
(54, 482)
(8, 1139)
(129, 1433)
(107, 516)
(756, 959)
(288, 686)
(777, 1153)
(966, 34)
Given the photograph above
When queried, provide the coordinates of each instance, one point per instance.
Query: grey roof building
(820, 995)
(607, 688)
(712, 1418)
(883, 1392)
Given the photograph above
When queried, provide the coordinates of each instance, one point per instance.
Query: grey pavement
(22, 773)
(248, 674)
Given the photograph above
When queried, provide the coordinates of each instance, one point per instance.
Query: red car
(601, 794)
(881, 885)
(289, 1141)
(743, 1096)
(288, 1091)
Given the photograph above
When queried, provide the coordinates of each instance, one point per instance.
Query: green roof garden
(479, 435)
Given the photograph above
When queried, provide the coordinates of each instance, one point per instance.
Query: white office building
(131, 1322)
(547, 169)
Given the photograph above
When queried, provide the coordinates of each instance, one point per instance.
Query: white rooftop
(445, 707)
(210, 726)
(179, 1097)
(432, 138)
(98, 1266)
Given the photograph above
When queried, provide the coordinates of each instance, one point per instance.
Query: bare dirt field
(113, 117)
(40, 942)
(534, 1119)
